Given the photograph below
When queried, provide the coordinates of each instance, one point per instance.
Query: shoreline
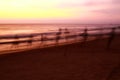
(63, 43)
(68, 62)
(51, 44)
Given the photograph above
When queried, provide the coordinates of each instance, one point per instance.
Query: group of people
(60, 32)
(43, 38)
(66, 32)
(111, 36)
(17, 41)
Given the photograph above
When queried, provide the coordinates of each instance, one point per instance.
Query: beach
(65, 62)
(60, 40)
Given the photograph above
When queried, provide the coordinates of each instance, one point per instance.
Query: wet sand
(68, 62)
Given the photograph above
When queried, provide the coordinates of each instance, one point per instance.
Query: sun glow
(61, 10)
(32, 9)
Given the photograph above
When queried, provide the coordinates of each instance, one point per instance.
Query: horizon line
(62, 23)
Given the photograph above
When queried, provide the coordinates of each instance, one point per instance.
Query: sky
(60, 11)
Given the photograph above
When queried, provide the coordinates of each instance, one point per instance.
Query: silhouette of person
(75, 37)
(16, 37)
(100, 34)
(60, 30)
(111, 37)
(85, 36)
(42, 38)
(58, 35)
(30, 41)
(66, 34)
(16, 42)
(31, 36)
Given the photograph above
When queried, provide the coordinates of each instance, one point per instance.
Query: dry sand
(68, 62)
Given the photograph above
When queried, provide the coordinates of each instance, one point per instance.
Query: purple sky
(60, 11)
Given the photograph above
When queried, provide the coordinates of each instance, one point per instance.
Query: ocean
(17, 29)
(40, 28)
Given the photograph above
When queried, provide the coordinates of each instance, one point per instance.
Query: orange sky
(59, 11)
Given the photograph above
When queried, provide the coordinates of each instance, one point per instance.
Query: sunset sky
(59, 11)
